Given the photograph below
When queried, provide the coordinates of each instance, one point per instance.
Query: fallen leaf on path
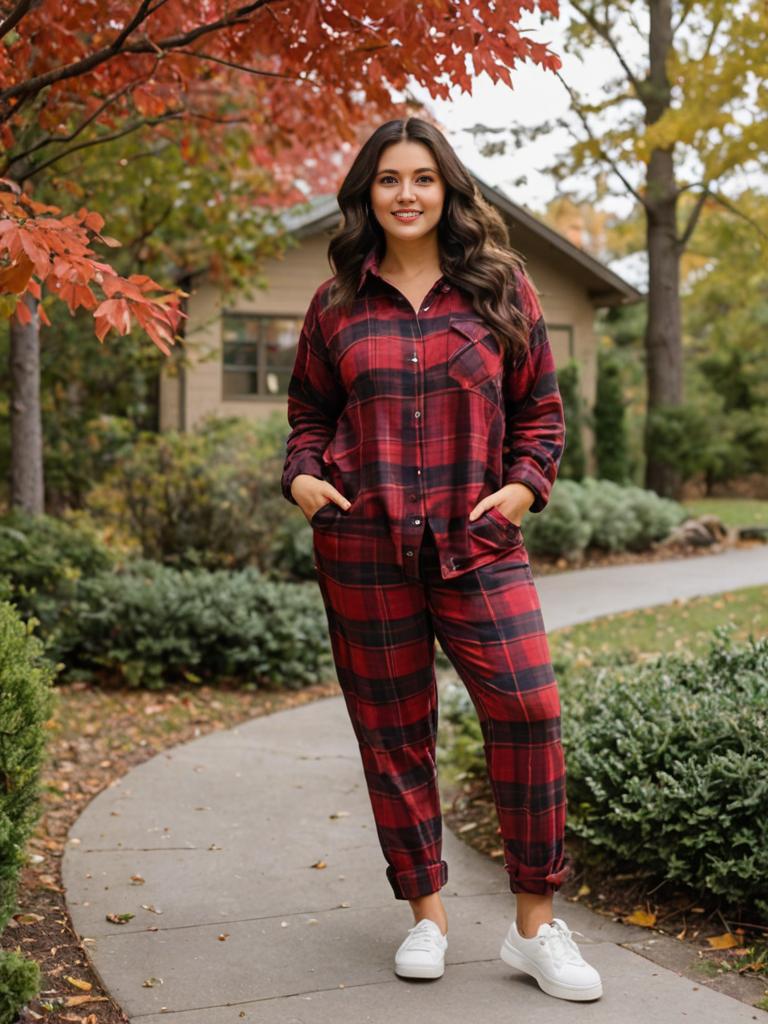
(120, 918)
(641, 918)
(725, 941)
(86, 986)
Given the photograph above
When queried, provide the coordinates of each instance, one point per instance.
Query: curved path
(225, 830)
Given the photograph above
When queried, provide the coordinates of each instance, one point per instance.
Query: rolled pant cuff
(421, 881)
(523, 881)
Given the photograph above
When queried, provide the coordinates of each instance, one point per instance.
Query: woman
(426, 421)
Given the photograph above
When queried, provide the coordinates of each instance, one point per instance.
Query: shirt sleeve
(535, 422)
(315, 401)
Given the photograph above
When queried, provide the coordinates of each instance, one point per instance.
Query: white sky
(538, 96)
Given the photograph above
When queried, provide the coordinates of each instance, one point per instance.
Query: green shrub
(26, 704)
(611, 440)
(561, 528)
(666, 763)
(573, 461)
(601, 514)
(654, 517)
(42, 558)
(668, 768)
(204, 499)
(19, 983)
(151, 624)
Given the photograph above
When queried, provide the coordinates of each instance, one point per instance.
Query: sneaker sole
(419, 971)
(515, 958)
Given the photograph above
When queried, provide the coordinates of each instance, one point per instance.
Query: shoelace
(559, 938)
(422, 937)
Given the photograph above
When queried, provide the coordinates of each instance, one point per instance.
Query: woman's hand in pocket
(311, 493)
(513, 501)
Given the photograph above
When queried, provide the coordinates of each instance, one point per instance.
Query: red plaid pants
(382, 627)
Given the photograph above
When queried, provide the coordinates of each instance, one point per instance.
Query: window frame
(261, 367)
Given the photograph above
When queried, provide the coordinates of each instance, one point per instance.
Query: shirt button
(417, 522)
(409, 552)
(418, 470)
(417, 414)
(446, 288)
(413, 497)
(425, 308)
(414, 358)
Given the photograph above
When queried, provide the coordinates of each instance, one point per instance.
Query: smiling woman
(426, 421)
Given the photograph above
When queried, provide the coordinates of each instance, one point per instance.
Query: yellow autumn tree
(678, 128)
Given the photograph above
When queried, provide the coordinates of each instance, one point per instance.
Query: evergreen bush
(26, 703)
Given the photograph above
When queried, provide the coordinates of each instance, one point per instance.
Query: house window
(258, 354)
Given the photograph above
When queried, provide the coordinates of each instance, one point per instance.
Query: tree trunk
(663, 336)
(26, 421)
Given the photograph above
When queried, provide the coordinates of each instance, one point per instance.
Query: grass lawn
(732, 511)
(684, 625)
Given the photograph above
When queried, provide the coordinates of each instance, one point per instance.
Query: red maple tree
(304, 77)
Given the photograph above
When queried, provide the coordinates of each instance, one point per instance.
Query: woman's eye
(390, 177)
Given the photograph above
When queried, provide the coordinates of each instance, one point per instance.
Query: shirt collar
(370, 264)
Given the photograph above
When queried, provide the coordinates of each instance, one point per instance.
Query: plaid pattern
(416, 418)
(488, 621)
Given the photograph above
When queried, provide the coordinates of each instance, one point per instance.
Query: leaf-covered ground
(96, 736)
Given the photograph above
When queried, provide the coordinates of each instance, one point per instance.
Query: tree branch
(608, 159)
(170, 116)
(81, 127)
(239, 67)
(13, 19)
(86, 64)
(739, 213)
(602, 31)
(687, 8)
(698, 206)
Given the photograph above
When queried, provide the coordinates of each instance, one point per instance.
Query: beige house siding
(187, 398)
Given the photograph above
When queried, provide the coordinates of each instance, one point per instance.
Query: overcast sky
(538, 96)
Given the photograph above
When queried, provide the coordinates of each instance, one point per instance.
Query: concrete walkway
(235, 924)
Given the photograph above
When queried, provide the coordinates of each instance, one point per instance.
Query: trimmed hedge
(667, 766)
(26, 703)
(152, 624)
(601, 514)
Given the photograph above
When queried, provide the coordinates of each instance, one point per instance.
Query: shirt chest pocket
(475, 357)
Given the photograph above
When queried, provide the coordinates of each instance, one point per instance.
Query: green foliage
(667, 766)
(611, 444)
(561, 527)
(208, 498)
(573, 462)
(602, 514)
(19, 983)
(666, 763)
(26, 703)
(152, 624)
(42, 558)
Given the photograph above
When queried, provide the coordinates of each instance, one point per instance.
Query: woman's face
(407, 179)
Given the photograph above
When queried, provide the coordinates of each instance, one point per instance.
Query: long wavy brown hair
(473, 240)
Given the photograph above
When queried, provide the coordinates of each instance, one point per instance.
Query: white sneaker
(554, 960)
(421, 954)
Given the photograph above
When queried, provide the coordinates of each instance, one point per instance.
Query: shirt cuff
(527, 472)
(306, 462)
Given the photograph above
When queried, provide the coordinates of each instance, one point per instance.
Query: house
(242, 354)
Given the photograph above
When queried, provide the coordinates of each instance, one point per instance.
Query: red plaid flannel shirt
(420, 416)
